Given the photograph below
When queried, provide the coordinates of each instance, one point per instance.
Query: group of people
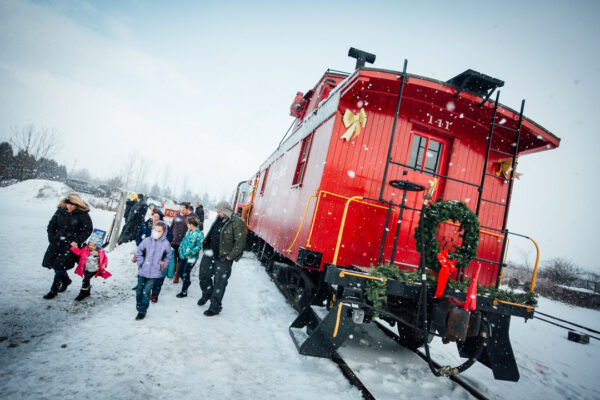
(158, 243)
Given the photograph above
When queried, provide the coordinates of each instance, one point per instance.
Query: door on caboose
(426, 156)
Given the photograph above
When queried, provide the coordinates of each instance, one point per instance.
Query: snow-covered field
(61, 349)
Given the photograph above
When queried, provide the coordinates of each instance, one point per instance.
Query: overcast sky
(203, 88)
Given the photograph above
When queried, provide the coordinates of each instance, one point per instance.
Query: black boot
(54, 288)
(83, 293)
(64, 284)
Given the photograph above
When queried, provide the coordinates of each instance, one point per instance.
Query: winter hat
(225, 208)
(97, 241)
(157, 211)
(133, 196)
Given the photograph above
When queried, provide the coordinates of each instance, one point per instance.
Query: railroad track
(352, 376)
(571, 326)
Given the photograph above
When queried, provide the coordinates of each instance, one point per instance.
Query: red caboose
(345, 191)
(356, 132)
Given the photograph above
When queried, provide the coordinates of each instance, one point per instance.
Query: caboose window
(302, 159)
(425, 154)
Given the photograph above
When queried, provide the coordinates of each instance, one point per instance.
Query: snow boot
(140, 316)
(54, 288)
(83, 293)
(154, 299)
(210, 313)
(64, 284)
(203, 300)
(182, 294)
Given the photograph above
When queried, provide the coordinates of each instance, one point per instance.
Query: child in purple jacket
(152, 256)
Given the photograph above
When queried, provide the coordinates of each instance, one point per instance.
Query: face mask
(156, 234)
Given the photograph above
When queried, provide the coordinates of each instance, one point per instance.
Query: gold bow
(353, 122)
(505, 166)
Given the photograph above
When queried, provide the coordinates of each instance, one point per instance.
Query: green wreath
(432, 217)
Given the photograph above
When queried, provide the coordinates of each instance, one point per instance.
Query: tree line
(28, 153)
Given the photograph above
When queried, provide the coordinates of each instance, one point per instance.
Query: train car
(346, 189)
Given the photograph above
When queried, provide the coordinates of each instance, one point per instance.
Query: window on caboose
(425, 154)
(302, 160)
(264, 182)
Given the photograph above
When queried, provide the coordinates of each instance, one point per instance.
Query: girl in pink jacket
(92, 262)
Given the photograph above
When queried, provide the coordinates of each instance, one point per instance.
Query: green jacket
(232, 239)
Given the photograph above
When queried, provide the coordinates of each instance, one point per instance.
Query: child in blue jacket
(189, 249)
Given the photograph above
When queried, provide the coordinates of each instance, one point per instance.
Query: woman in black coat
(70, 223)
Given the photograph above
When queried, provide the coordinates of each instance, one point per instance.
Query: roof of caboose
(464, 110)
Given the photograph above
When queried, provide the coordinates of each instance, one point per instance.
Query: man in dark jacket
(70, 223)
(224, 243)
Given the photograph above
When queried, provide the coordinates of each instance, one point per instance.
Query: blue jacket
(145, 230)
(150, 253)
(191, 244)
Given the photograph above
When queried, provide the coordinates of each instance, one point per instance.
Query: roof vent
(476, 83)
(361, 57)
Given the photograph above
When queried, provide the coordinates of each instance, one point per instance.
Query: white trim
(320, 114)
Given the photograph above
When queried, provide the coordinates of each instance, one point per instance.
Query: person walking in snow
(152, 256)
(144, 231)
(189, 249)
(199, 211)
(179, 228)
(92, 263)
(223, 245)
(135, 218)
(70, 223)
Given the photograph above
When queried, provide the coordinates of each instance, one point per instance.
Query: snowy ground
(59, 348)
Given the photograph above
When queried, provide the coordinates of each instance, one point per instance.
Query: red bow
(471, 300)
(447, 268)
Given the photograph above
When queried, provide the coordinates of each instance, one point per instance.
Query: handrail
(529, 308)
(325, 192)
(289, 250)
(537, 260)
(342, 224)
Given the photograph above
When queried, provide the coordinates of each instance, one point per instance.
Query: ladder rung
(494, 202)
(488, 261)
(496, 176)
(493, 229)
(503, 152)
(506, 127)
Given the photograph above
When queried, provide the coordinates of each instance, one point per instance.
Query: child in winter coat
(152, 256)
(92, 262)
(190, 247)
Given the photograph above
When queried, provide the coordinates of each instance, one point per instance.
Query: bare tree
(33, 145)
(128, 169)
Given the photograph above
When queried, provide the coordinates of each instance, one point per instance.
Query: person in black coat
(135, 218)
(199, 211)
(70, 223)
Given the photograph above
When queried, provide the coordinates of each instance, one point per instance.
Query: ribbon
(471, 300)
(353, 122)
(447, 268)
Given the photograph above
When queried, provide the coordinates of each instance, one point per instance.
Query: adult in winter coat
(135, 218)
(70, 223)
(179, 228)
(152, 256)
(129, 204)
(224, 244)
(199, 211)
(189, 249)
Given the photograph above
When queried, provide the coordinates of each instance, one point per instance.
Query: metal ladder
(484, 174)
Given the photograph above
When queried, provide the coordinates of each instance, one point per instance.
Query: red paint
(356, 167)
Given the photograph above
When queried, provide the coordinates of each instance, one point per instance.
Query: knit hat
(225, 208)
